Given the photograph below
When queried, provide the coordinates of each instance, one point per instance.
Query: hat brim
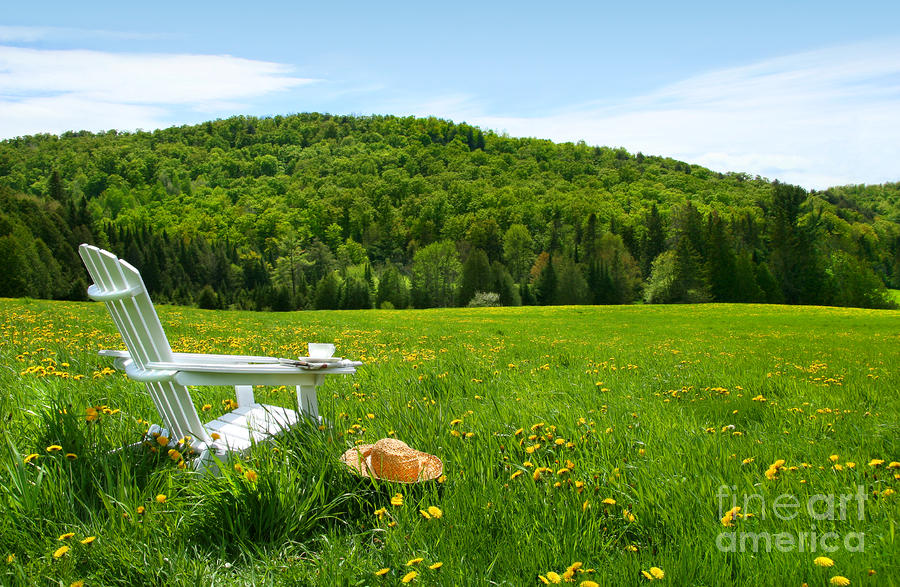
(357, 459)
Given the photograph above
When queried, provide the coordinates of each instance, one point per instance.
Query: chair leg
(209, 461)
(244, 395)
(307, 401)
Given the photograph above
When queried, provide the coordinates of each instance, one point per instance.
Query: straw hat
(390, 459)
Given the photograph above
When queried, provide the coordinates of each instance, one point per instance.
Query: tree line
(318, 212)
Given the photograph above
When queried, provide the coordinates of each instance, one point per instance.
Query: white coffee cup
(321, 350)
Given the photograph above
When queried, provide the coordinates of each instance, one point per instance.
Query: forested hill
(318, 211)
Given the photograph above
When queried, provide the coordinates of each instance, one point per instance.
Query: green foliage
(476, 277)
(855, 284)
(392, 288)
(208, 300)
(254, 207)
(328, 293)
(355, 294)
(435, 271)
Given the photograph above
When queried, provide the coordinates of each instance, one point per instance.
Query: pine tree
(476, 276)
(545, 285)
(328, 293)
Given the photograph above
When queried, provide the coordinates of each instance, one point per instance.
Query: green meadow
(605, 444)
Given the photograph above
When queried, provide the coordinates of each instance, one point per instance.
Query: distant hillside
(312, 210)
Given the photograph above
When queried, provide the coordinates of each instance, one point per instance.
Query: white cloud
(58, 90)
(818, 119)
(33, 34)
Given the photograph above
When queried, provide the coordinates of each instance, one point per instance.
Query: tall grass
(595, 435)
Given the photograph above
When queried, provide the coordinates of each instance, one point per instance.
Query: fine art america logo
(787, 507)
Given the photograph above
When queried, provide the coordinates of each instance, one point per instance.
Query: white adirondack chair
(150, 360)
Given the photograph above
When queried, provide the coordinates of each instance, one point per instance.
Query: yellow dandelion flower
(161, 498)
(91, 414)
(383, 571)
(162, 440)
(140, 509)
(30, 457)
(175, 455)
(647, 575)
(631, 548)
(392, 524)
(874, 463)
(425, 514)
(823, 561)
(66, 536)
(730, 516)
(78, 583)
(54, 448)
(589, 583)
(435, 511)
(585, 505)
(455, 421)
(61, 551)
(88, 540)
(397, 500)
(380, 513)
(839, 580)
(629, 517)
(206, 407)
(575, 566)
(414, 561)
(657, 572)
(238, 468)
(747, 461)
(71, 456)
(408, 577)
(559, 441)
(251, 476)
(554, 577)
(568, 576)
(215, 436)
(894, 465)
(10, 559)
(537, 426)
(543, 580)
(435, 566)
(887, 492)
(609, 501)
(514, 475)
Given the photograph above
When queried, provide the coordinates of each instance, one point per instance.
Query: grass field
(609, 442)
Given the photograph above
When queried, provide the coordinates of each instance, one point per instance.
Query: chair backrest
(120, 287)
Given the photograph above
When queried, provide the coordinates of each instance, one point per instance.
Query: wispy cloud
(57, 90)
(818, 118)
(34, 34)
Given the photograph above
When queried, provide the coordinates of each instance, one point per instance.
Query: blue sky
(806, 92)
